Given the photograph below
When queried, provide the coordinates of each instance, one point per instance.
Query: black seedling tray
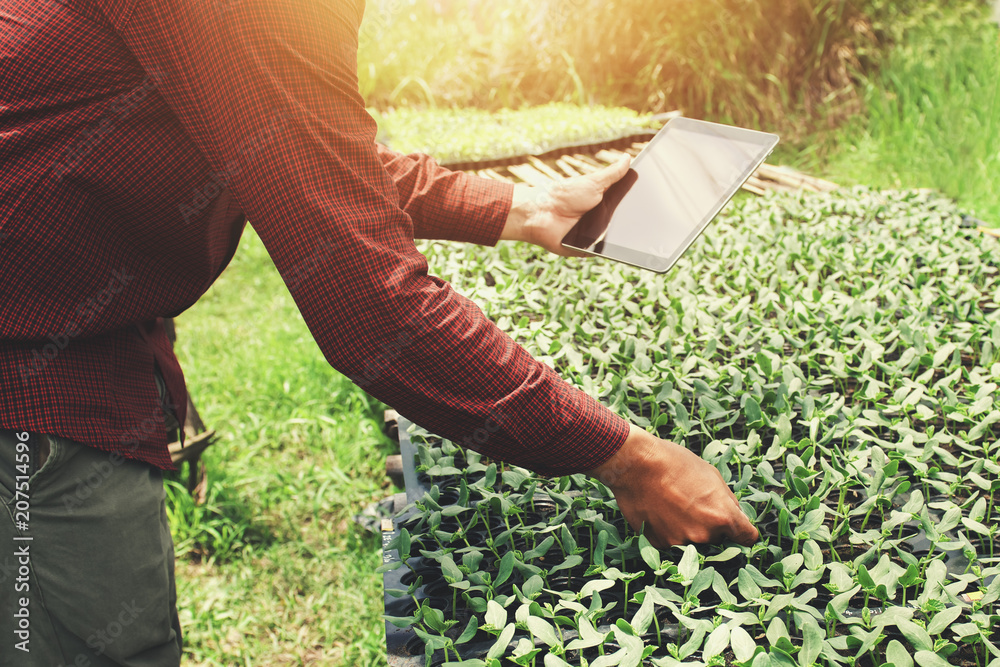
(402, 645)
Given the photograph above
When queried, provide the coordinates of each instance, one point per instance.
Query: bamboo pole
(580, 165)
(609, 156)
(586, 159)
(495, 175)
(794, 179)
(755, 185)
(545, 169)
(567, 168)
(530, 175)
(636, 148)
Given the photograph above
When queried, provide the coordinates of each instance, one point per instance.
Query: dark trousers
(86, 558)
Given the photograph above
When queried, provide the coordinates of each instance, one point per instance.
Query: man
(136, 138)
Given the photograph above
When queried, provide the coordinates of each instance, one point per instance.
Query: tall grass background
(932, 113)
(788, 63)
(895, 93)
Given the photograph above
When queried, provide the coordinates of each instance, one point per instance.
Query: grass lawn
(272, 570)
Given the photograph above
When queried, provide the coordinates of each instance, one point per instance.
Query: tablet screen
(674, 188)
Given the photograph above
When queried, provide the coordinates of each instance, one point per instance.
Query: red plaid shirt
(137, 137)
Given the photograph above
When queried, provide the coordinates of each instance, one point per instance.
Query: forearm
(448, 205)
(524, 206)
(490, 394)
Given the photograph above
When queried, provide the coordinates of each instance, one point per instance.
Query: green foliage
(455, 135)
(933, 112)
(759, 64)
(219, 529)
(837, 357)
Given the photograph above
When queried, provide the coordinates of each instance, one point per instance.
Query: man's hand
(679, 497)
(543, 216)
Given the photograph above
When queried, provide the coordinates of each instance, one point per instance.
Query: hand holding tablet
(675, 187)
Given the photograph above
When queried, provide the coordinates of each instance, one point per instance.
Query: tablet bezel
(660, 263)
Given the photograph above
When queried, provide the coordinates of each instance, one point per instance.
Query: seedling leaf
(469, 632)
(543, 630)
(742, 643)
(649, 553)
(812, 642)
(496, 615)
(898, 655)
(747, 586)
(930, 659)
(552, 660)
(717, 642)
(916, 635)
(688, 567)
(943, 619)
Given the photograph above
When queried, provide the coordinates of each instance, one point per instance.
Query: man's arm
(268, 92)
(455, 206)
(448, 205)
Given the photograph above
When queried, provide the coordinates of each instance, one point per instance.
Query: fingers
(742, 531)
(611, 174)
(677, 496)
(655, 540)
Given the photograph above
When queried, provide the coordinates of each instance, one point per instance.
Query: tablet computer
(674, 188)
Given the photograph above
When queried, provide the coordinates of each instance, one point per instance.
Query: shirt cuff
(476, 211)
(488, 205)
(594, 435)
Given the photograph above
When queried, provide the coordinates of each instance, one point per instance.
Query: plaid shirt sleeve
(447, 205)
(268, 92)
